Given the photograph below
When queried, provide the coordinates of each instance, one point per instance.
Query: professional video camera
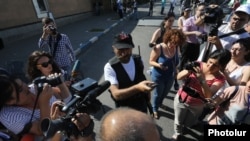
(83, 101)
(213, 16)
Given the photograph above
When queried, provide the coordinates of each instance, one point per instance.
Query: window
(41, 7)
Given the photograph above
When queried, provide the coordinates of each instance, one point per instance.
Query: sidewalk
(82, 34)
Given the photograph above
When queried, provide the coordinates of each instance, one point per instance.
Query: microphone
(97, 91)
(75, 68)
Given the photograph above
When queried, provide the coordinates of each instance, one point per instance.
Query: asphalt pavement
(91, 39)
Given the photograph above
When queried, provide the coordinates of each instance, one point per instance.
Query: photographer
(23, 108)
(82, 121)
(59, 45)
(194, 29)
(201, 82)
(229, 32)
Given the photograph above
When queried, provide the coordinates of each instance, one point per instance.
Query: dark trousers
(162, 10)
(171, 9)
(189, 52)
(120, 13)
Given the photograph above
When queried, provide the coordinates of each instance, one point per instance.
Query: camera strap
(240, 31)
(53, 46)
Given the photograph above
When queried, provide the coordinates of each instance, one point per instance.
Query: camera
(193, 93)
(191, 65)
(52, 29)
(213, 15)
(83, 101)
(53, 81)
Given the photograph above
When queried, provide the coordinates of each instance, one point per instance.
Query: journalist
(41, 63)
(227, 33)
(201, 82)
(22, 108)
(235, 109)
(194, 29)
(59, 45)
(78, 127)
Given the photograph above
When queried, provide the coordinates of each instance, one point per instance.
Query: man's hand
(145, 86)
(215, 40)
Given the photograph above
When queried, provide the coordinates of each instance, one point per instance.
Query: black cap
(123, 40)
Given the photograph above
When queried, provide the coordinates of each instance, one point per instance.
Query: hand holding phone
(152, 85)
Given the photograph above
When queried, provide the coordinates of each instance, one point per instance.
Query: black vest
(138, 101)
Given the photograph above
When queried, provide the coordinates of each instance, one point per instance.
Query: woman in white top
(237, 70)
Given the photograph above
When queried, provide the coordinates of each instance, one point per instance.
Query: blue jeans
(161, 91)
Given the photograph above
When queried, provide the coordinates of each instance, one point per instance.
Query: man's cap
(123, 40)
(187, 9)
(243, 8)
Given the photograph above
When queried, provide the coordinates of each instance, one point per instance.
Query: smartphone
(152, 85)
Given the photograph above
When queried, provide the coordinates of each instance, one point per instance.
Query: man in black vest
(129, 86)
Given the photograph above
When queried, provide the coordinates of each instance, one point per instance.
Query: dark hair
(33, 72)
(168, 16)
(7, 86)
(246, 43)
(47, 20)
(222, 55)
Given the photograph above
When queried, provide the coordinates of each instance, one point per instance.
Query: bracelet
(88, 130)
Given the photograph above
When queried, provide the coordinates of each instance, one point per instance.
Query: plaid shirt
(64, 54)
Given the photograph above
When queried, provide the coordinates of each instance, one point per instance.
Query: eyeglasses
(45, 64)
(239, 19)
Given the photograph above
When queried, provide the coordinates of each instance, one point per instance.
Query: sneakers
(175, 137)
(156, 115)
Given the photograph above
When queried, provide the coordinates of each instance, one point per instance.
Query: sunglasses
(45, 64)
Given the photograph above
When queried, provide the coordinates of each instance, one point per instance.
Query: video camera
(213, 16)
(83, 101)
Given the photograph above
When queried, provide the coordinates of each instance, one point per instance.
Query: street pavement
(94, 49)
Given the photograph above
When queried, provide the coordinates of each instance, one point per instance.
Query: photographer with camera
(22, 108)
(228, 33)
(59, 45)
(201, 81)
(81, 121)
(194, 29)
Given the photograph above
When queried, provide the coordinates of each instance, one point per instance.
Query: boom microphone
(97, 91)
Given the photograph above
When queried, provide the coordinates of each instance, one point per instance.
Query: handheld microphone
(75, 68)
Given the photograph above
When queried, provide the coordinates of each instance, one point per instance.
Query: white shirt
(110, 75)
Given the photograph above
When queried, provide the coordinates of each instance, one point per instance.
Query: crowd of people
(220, 81)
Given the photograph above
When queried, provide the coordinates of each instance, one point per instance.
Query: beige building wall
(19, 17)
